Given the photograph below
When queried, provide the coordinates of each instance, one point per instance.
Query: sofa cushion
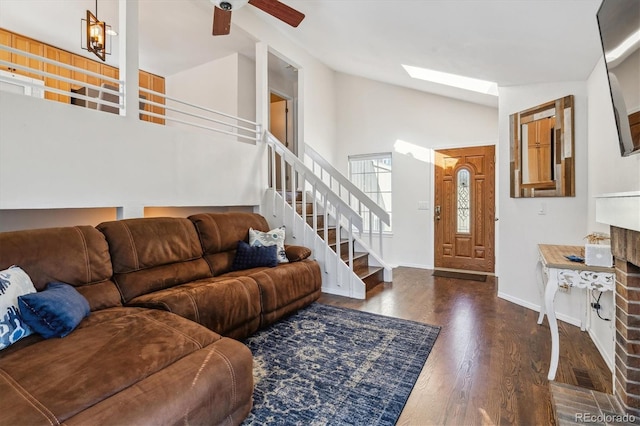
(229, 306)
(273, 237)
(127, 365)
(55, 311)
(254, 256)
(77, 255)
(211, 386)
(152, 254)
(285, 288)
(143, 243)
(219, 234)
(14, 283)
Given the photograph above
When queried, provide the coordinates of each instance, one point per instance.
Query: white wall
(59, 156)
(56, 155)
(317, 102)
(246, 88)
(521, 227)
(226, 85)
(283, 82)
(608, 172)
(211, 85)
(374, 117)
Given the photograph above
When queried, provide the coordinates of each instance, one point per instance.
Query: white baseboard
(519, 301)
(566, 318)
(416, 265)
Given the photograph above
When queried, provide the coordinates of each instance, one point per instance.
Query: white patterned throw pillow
(14, 282)
(271, 238)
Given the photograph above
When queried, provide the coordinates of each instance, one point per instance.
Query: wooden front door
(464, 211)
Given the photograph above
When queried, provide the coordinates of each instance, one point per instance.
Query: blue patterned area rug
(326, 365)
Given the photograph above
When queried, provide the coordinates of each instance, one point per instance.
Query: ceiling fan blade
(221, 21)
(279, 10)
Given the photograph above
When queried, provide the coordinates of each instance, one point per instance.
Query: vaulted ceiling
(511, 42)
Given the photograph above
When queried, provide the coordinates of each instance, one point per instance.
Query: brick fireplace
(625, 246)
(573, 404)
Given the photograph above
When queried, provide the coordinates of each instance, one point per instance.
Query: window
(371, 173)
(463, 201)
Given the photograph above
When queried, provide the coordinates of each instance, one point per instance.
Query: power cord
(596, 305)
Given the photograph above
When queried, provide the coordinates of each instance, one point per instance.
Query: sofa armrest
(296, 253)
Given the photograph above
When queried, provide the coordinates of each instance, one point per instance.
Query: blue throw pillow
(54, 312)
(254, 256)
(14, 282)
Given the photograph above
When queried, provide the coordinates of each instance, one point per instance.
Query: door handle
(437, 212)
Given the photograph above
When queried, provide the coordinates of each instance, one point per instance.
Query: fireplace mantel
(620, 209)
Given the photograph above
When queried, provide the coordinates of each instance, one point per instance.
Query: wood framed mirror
(542, 150)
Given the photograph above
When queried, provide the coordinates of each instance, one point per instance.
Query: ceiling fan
(275, 8)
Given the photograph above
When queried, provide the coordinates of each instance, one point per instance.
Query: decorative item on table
(574, 258)
(596, 253)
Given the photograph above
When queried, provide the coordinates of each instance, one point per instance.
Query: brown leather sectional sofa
(158, 346)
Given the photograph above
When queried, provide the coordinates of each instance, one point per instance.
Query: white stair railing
(192, 115)
(38, 83)
(313, 191)
(353, 195)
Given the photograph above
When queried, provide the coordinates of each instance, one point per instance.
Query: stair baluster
(340, 223)
(352, 195)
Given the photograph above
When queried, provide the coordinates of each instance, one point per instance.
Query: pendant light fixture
(95, 34)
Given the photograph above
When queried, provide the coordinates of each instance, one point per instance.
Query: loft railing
(352, 195)
(185, 113)
(313, 191)
(33, 78)
(109, 96)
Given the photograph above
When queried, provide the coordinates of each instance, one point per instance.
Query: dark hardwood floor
(490, 361)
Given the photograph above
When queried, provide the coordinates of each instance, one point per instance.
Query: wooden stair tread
(289, 194)
(366, 271)
(356, 255)
(309, 209)
(300, 203)
(330, 229)
(371, 276)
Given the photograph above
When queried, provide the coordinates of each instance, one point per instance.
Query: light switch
(423, 205)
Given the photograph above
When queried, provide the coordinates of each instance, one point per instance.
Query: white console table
(556, 271)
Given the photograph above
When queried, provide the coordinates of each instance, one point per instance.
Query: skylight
(467, 83)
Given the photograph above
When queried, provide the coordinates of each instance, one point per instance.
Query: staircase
(370, 275)
(317, 216)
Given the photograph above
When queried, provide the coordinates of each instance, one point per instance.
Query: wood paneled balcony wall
(84, 76)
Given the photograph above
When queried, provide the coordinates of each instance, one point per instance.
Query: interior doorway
(281, 123)
(464, 209)
(283, 117)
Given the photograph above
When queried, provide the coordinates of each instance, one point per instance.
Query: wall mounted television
(619, 24)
